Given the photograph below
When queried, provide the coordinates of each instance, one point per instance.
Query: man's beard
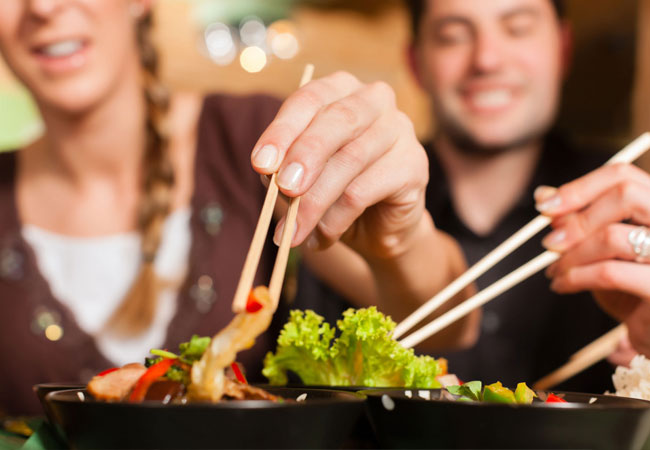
(466, 144)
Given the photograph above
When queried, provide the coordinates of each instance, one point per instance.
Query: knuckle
(316, 145)
(404, 120)
(354, 197)
(609, 274)
(344, 78)
(345, 113)
(621, 170)
(353, 154)
(384, 90)
(610, 237)
(309, 97)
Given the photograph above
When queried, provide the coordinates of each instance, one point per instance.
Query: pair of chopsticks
(627, 155)
(598, 350)
(259, 237)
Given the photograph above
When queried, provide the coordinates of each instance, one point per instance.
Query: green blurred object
(232, 12)
(20, 122)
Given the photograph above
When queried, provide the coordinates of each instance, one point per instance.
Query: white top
(91, 276)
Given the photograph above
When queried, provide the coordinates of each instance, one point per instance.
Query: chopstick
(259, 236)
(599, 349)
(628, 154)
(489, 293)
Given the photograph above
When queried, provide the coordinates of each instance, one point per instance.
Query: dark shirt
(528, 331)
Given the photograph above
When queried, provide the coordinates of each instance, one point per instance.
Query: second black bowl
(403, 419)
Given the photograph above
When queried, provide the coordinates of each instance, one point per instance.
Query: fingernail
(550, 204)
(290, 177)
(265, 157)
(543, 193)
(555, 240)
(277, 236)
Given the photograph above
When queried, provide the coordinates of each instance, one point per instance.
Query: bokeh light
(252, 31)
(284, 45)
(54, 332)
(282, 39)
(220, 43)
(252, 59)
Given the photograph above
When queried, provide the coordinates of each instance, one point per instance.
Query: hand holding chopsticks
(255, 251)
(627, 155)
(353, 158)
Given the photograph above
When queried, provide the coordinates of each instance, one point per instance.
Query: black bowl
(42, 389)
(323, 420)
(607, 423)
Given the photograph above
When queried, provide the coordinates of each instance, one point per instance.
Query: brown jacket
(225, 206)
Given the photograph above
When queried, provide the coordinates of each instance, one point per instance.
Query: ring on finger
(639, 238)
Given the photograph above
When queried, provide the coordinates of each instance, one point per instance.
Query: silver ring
(640, 240)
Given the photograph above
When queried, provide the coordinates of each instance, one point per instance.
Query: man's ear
(413, 62)
(566, 47)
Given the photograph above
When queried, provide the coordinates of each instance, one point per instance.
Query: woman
(599, 224)
(126, 225)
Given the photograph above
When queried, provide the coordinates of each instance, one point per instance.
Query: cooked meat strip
(239, 391)
(165, 391)
(116, 385)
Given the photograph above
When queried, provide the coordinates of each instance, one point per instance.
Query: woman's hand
(597, 221)
(355, 160)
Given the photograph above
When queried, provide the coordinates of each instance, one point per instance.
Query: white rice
(633, 381)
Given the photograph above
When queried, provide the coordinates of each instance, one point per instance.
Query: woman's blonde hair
(138, 308)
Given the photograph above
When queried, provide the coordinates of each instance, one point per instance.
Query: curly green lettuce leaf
(363, 354)
(303, 348)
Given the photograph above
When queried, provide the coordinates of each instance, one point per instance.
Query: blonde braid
(138, 308)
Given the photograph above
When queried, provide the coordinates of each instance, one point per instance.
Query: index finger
(296, 113)
(579, 193)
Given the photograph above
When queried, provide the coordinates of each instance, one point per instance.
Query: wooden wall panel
(642, 88)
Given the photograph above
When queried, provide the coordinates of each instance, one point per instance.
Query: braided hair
(137, 310)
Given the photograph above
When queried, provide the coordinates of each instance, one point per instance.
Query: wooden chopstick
(255, 250)
(630, 153)
(494, 290)
(598, 350)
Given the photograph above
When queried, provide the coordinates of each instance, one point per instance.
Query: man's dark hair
(416, 9)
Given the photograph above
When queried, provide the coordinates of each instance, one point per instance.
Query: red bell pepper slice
(252, 304)
(107, 371)
(146, 380)
(238, 373)
(552, 398)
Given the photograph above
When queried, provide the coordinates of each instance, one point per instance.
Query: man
(494, 71)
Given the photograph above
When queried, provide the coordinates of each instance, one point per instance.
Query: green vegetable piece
(496, 393)
(364, 354)
(524, 394)
(193, 350)
(474, 388)
(470, 390)
(163, 353)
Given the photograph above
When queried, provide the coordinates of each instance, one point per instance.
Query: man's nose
(488, 53)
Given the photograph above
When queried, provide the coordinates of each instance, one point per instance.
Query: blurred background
(245, 46)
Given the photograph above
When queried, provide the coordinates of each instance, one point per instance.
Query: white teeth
(63, 48)
(492, 99)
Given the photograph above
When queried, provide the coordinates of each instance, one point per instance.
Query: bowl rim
(71, 396)
(631, 403)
